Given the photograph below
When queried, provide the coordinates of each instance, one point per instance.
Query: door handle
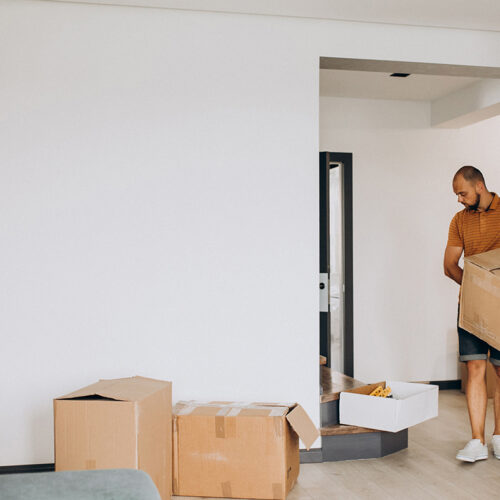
(324, 291)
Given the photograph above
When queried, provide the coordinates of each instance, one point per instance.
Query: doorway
(336, 258)
(381, 111)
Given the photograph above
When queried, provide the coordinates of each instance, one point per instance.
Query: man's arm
(451, 268)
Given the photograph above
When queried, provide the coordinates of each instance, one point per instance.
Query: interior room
(403, 164)
(159, 201)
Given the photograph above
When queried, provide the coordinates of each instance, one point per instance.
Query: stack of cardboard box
(220, 449)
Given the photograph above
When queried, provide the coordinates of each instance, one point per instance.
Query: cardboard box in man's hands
(480, 297)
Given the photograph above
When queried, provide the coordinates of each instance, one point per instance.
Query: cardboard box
(480, 297)
(410, 405)
(491, 379)
(238, 450)
(120, 423)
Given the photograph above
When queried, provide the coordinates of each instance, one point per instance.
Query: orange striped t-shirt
(476, 232)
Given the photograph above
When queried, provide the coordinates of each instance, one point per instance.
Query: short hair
(471, 174)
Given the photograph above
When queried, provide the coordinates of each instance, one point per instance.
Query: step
(339, 429)
(364, 444)
(333, 383)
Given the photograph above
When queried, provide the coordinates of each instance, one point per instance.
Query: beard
(475, 205)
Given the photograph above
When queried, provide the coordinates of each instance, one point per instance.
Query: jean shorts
(472, 347)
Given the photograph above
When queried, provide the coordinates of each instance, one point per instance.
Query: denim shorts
(472, 347)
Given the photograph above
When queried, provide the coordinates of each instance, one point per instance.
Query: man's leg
(474, 352)
(496, 401)
(495, 440)
(477, 397)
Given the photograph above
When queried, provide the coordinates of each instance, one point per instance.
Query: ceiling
(463, 14)
(375, 85)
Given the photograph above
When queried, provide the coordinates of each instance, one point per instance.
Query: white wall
(404, 307)
(159, 197)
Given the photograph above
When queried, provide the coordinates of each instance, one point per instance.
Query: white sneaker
(475, 450)
(495, 443)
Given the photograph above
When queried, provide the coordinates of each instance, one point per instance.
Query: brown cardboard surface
(292, 458)
(122, 423)
(121, 389)
(154, 441)
(95, 435)
(303, 426)
(239, 451)
(487, 260)
(480, 297)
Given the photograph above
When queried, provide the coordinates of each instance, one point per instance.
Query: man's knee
(477, 369)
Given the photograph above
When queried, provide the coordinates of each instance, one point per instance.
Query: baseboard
(306, 457)
(312, 456)
(445, 385)
(17, 469)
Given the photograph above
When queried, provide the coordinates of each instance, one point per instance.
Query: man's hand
(451, 268)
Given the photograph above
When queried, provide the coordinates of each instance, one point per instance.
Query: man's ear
(480, 187)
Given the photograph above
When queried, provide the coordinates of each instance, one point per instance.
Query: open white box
(410, 405)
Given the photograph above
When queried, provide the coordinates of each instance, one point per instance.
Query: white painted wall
(158, 199)
(472, 104)
(404, 307)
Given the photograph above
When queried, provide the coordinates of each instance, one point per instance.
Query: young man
(476, 229)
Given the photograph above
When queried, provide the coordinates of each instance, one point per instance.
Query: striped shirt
(476, 232)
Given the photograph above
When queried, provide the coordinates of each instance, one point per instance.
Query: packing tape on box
(226, 489)
(277, 491)
(90, 464)
(223, 411)
(231, 404)
(185, 411)
(277, 412)
(225, 427)
(278, 427)
(227, 409)
(220, 427)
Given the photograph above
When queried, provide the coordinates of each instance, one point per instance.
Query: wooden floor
(426, 470)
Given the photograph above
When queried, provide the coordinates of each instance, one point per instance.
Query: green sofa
(112, 484)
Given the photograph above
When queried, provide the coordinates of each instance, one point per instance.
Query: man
(476, 229)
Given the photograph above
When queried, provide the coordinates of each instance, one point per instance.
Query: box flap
(120, 389)
(303, 426)
(366, 389)
(487, 260)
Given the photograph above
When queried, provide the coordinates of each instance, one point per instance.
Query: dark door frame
(328, 160)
